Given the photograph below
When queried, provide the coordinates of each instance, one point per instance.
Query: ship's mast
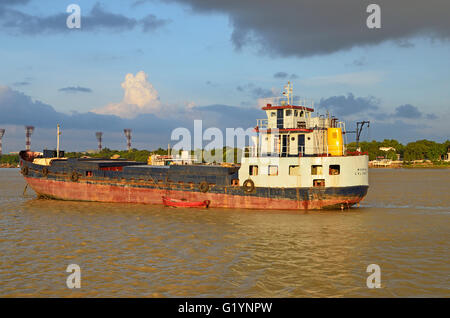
(2, 132)
(288, 93)
(58, 133)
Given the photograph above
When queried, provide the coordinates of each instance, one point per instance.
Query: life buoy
(45, 171)
(248, 186)
(204, 186)
(25, 170)
(74, 176)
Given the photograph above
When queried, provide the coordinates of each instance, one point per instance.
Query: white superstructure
(294, 149)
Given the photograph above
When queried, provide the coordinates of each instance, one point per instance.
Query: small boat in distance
(297, 162)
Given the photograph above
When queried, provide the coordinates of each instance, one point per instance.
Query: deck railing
(254, 152)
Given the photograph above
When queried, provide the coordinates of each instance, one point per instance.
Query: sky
(155, 65)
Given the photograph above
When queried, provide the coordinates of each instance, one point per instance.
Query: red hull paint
(80, 191)
(185, 204)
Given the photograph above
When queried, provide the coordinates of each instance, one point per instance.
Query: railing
(254, 152)
(294, 122)
(262, 123)
(296, 100)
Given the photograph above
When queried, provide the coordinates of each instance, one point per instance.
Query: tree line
(417, 150)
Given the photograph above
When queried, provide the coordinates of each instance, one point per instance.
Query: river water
(403, 226)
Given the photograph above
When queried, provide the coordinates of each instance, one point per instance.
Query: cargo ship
(297, 162)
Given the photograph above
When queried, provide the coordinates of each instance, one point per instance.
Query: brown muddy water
(123, 250)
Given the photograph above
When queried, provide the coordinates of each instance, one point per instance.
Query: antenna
(359, 127)
(288, 92)
(99, 136)
(2, 132)
(127, 133)
(28, 132)
(58, 133)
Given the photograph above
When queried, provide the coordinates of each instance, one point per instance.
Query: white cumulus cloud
(140, 97)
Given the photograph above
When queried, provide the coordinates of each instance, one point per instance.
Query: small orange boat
(185, 204)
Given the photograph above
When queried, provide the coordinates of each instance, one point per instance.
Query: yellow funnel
(335, 143)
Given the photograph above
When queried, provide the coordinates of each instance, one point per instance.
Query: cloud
(284, 75)
(305, 28)
(23, 83)
(407, 111)
(151, 23)
(13, 2)
(280, 75)
(139, 97)
(225, 116)
(17, 22)
(348, 105)
(404, 43)
(255, 91)
(75, 89)
(151, 130)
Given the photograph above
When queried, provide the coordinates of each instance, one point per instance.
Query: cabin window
(273, 114)
(253, 170)
(292, 138)
(316, 170)
(288, 112)
(294, 170)
(335, 170)
(319, 182)
(273, 170)
(295, 112)
(301, 113)
(235, 182)
(88, 173)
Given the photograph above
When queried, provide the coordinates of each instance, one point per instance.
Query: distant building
(387, 148)
(184, 159)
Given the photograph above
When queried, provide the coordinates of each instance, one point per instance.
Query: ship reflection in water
(155, 251)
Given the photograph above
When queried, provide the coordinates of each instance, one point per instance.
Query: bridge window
(335, 170)
(316, 170)
(253, 170)
(294, 170)
(273, 114)
(295, 112)
(273, 170)
(288, 112)
(319, 182)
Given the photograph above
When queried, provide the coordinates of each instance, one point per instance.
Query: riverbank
(7, 165)
(412, 166)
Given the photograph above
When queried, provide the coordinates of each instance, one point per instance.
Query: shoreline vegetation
(388, 153)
